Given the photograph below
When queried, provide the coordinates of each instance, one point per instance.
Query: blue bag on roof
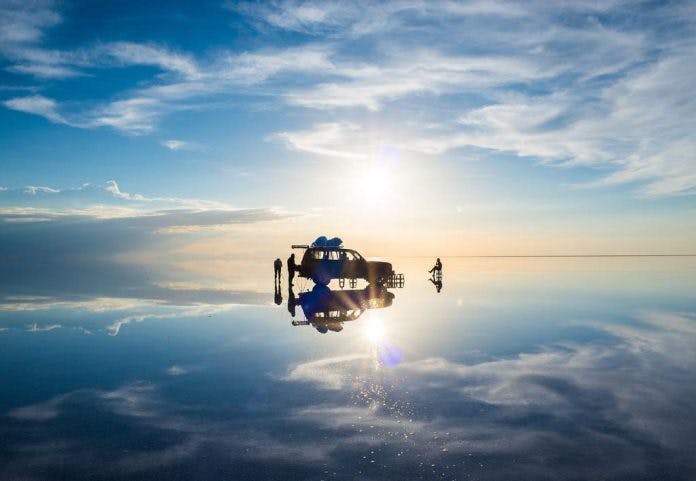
(323, 241)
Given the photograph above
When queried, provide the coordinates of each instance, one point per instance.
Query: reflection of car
(323, 263)
(327, 310)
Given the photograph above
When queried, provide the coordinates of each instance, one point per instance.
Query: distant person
(277, 268)
(437, 268)
(291, 268)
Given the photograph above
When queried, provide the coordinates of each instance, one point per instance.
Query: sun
(375, 183)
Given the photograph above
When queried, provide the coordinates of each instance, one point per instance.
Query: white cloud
(135, 115)
(414, 72)
(33, 190)
(130, 53)
(112, 186)
(175, 144)
(45, 71)
(605, 94)
(300, 16)
(38, 105)
(25, 21)
(256, 67)
(330, 139)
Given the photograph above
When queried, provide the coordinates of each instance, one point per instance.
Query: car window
(318, 255)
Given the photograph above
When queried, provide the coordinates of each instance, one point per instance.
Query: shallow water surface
(518, 368)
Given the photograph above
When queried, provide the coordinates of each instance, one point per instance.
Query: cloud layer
(574, 84)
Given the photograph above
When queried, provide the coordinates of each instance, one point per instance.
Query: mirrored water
(512, 368)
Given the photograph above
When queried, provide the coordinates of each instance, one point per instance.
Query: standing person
(277, 267)
(437, 267)
(291, 268)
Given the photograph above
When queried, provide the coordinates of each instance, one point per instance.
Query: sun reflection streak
(384, 352)
(373, 329)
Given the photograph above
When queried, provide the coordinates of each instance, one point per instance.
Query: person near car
(291, 268)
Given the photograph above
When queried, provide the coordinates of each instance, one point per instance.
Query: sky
(199, 131)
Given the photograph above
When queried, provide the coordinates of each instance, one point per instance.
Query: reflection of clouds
(40, 303)
(113, 314)
(48, 327)
(620, 407)
(139, 406)
(615, 401)
(194, 311)
(177, 370)
(338, 417)
(326, 373)
(40, 411)
(78, 256)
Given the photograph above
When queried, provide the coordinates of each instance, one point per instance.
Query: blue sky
(464, 127)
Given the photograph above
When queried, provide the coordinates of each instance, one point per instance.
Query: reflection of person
(437, 267)
(291, 268)
(437, 283)
(291, 301)
(278, 297)
(277, 267)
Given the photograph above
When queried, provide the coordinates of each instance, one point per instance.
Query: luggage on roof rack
(323, 241)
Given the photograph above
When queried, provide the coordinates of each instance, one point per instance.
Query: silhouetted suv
(323, 263)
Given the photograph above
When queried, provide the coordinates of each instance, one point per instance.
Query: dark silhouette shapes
(291, 268)
(437, 267)
(326, 259)
(292, 302)
(277, 268)
(327, 310)
(437, 282)
(277, 297)
(436, 277)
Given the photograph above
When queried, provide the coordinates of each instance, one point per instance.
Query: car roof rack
(299, 246)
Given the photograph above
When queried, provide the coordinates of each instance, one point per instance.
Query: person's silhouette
(291, 268)
(277, 268)
(437, 267)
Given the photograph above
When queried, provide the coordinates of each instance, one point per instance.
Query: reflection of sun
(374, 330)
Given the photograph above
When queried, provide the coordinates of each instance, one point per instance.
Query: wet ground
(518, 368)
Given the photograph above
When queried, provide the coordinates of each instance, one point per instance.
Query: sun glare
(373, 329)
(375, 183)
